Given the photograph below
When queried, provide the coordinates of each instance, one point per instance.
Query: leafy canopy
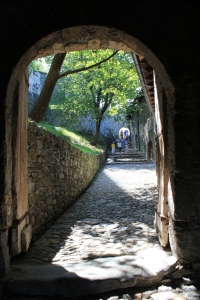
(87, 93)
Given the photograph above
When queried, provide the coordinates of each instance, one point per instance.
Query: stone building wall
(82, 124)
(143, 131)
(36, 82)
(58, 173)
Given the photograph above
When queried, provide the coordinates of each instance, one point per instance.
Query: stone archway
(75, 38)
(70, 39)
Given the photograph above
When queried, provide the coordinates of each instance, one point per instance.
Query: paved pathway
(113, 217)
(105, 241)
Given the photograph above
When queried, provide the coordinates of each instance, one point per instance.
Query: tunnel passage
(97, 36)
(113, 217)
(101, 37)
(106, 235)
(94, 43)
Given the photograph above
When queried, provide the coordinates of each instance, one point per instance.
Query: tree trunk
(41, 106)
(97, 132)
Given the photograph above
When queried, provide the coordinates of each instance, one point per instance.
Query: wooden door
(161, 209)
(20, 180)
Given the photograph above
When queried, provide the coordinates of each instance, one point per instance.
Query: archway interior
(73, 39)
(126, 131)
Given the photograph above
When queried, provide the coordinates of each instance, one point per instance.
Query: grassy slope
(76, 140)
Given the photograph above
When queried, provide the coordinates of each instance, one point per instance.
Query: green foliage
(41, 64)
(80, 141)
(98, 91)
(85, 91)
(134, 105)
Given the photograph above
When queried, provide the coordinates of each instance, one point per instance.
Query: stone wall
(58, 174)
(142, 131)
(36, 82)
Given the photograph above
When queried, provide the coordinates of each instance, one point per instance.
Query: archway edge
(71, 39)
(92, 37)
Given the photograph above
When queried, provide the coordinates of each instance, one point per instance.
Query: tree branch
(87, 68)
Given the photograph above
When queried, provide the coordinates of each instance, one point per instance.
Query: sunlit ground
(113, 217)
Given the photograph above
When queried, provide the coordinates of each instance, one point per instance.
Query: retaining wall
(58, 173)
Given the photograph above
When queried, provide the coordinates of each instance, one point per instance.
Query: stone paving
(113, 217)
(111, 223)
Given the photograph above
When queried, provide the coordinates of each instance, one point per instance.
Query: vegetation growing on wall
(79, 141)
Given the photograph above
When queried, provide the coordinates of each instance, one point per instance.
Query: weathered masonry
(57, 173)
(166, 34)
(153, 97)
(143, 125)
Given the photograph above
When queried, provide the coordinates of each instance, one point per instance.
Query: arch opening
(124, 133)
(70, 39)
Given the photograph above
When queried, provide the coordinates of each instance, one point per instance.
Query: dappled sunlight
(113, 218)
(77, 140)
(106, 240)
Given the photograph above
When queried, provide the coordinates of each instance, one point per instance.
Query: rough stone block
(31, 137)
(42, 206)
(45, 181)
(39, 144)
(33, 127)
(166, 296)
(58, 48)
(49, 200)
(32, 155)
(33, 209)
(26, 237)
(31, 187)
(34, 198)
(55, 167)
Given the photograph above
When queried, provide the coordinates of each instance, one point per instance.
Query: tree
(101, 90)
(134, 106)
(54, 75)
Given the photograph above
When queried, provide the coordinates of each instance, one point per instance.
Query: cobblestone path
(113, 217)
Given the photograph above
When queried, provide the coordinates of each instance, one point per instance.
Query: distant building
(142, 123)
(142, 126)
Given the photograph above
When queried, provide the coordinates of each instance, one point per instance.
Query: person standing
(123, 144)
(113, 148)
(126, 146)
(119, 145)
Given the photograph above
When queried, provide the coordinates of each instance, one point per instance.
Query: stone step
(133, 155)
(29, 277)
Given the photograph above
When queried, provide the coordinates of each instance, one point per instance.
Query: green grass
(82, 142)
